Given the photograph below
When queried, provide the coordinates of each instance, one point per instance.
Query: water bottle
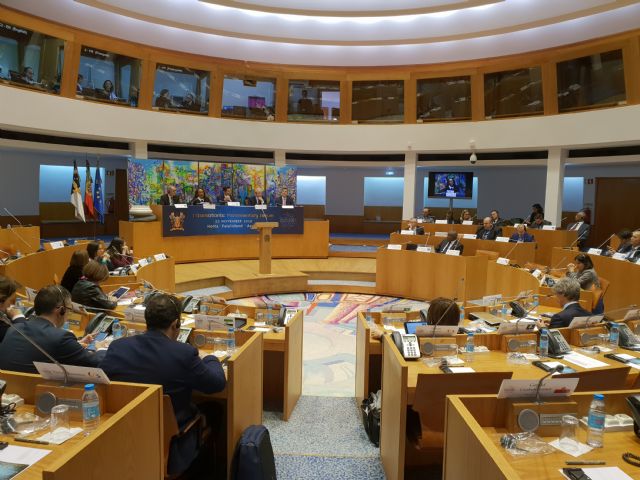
(544, 343)
(469, 348)
(368, 317)
(596, 421)
(503, 311)
(65, 325)
(461, 314)
(90, 408)
(613, 335)
(536, 302)
(269, 315)
(117, 330)
(231, 340)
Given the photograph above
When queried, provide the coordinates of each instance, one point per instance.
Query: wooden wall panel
(614, 207)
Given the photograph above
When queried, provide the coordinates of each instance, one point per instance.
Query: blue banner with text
(225, 220)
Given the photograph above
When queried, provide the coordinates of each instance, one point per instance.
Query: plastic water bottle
(614, 335)
(544, 343)
(461, 314)
(269, 315)
(65, 325)
(90, 408)
(536, 302)
(503, 311)
(117, 330)
(469, 348)
(596, 422)
(231, 340)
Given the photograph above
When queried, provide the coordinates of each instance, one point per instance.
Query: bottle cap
(470, 334)
(89, 386)
(598, 396)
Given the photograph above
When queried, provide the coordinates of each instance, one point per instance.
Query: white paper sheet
(21, 458)
(461, 369)
(581, 450)
(583, 361)
(60, 436)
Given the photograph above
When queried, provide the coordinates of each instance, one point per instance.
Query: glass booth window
(30, 59)
(253, 98)
(444, 98)
(516, 92)
(180, 88)
(378, 101)
(108, 76)
(594, 80)
(314, 101)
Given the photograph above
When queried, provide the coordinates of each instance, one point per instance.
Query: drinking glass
(59, 425)
(568, 434)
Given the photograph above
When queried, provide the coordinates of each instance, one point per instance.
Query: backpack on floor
(253, 456)
(371, 416)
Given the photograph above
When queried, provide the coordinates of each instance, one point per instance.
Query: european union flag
(98, 196)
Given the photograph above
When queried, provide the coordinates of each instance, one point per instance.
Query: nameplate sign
(143, 262)
(489, 300)
(469, 236)
(536, 273)
(287, 206)
(594, 251)
(552, 387)
(548, 227)
(441, 222)
(51, 371)
(394, 246)
(419, 220)
(210, 322)
(159, 256)
(454, 253)
(440, 234)
(516, 225)
(424, 249)
(502, 239)
(619, 256)
(502, 261)
(407, 232)
(259, 206)
(181, 205)
(467, 222)
(209, 206)
(638, 262)
(134, 268)
(54, 245)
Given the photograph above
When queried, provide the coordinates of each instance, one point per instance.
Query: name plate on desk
(287, 206)
(233, 204)
(209, 206)
(595, 251)
(159, 256)
(502, 239)
(619, 256)
(536, 273)
(50, 371)
(143, 262)
(407, 232)
(552, 387)
(210, 322)
(469, 236)
(502, 261)
(394, 246)
(453, 253)
(425, 249)
(467, 222)
(443, 234)
(134, 268)
(548, 227)
(54, 245)
(441, 222)
(262, 206)
(181, 205)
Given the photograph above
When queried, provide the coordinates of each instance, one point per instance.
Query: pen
(29, 440)
(586, 462)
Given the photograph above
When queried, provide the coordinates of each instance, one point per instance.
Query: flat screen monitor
(450, 185)
(256, 102)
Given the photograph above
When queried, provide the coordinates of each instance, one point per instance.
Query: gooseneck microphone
(453, 302)
(39, 348)
(12, 216)
(558, 369)
(586, 232)
(608, 238)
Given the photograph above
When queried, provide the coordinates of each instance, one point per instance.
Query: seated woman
(465, 216)
(8, 311)
(200, 197)
(521, 235)
(87, 291)
(119, 254)
(95, 250)
(586, 275)
(74, 271)
(443, 311)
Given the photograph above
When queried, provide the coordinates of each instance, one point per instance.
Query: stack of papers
(135, 313)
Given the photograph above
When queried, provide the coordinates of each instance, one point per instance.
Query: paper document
(15, 459)
(580, 450)
(461, 369)
(51, 371)
(604, 473)
(583, 361)
(60, 435)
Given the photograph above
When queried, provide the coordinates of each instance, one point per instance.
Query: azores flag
(76, 197)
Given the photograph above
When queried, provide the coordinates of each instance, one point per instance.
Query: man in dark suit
(155, 357)
(284, 198)
(633, 255)
(413, 225)
(489, 231)
(226, 196)
(496, 219)
(170, 198)
(258, 198)
(426, 216)
(582, 227)
(567, 292)
(52, 305)
(450, 243)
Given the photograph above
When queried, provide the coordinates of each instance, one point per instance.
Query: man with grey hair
(567, 293)
(582, 227)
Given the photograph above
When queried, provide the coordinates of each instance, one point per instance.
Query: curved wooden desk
(160, 273)
(547, 240)
(23, 239)
(147, 239)
(445, 227)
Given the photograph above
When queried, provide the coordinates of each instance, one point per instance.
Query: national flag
(98, 200)
(88, 192)
(76, 197)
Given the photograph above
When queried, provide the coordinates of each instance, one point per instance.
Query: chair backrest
(170, 427)
(598, 292)
(600, 380)
(489, 253)
(431, 392)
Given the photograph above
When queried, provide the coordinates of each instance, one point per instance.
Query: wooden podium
(264, 229)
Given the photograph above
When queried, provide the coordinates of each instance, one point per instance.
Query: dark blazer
(199, 201)
(583, 232)
(564, 317)
(490, 234)
(525, 237)
(154, 358)
(626, 248)
(633, 255)
(164, 199)
(71, 277)
(18, 355)
(289, 201)
(91, 295)
(4, 327)
(455, 245)
(221, 201)
(254, 201)
(419, 230)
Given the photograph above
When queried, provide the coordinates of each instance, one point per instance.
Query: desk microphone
(608, 238)
(558, 369)
(426, 242)
(586, 232)
(453, 302)
(39, 348)
(512, 249)
(12, 216)
(20, 236)
(8, 257)
(557, 264)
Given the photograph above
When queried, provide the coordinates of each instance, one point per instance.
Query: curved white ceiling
(332, 34)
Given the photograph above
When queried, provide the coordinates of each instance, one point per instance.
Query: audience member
(109, 92)
(413, 226)
(8, 312)
(79, 259)
(465, 216)
(87, 290)
(450, 243)
(584, 272)
(625, 244)
(120, 255)
(536, 210)
(488, 231)
(521, 235)
(164, 99)
(567, 293)
(539, 222)
(443, 306)
(633, 255)
(427, 217)
(582, 227)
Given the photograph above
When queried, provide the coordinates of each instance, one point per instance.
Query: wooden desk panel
(161, 274)
(146, 239)
(624, 277)
(547, 240)
(520, 253)
(423, 276)
(36, 270)
(509, 281)
(445, 227)
(23, 239)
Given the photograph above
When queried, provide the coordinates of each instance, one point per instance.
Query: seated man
(489, 231)
(539, 222)
(633, 255)
(426, 216)
(582, 227)
(284, 198)
(155, 357)
(496, 220)
(567, 293)
(450, 243)
(258, 198)
(52, 305)
(624, 246)
(413, 225)
(170, 198)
